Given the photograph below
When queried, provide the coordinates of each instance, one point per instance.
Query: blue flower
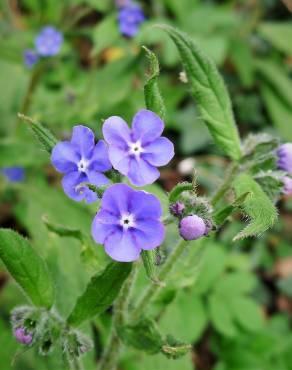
(130, 18)
(13, 174)
(30, 57)
(128, 222)
(48, 42)
(82, 161)
(137, 152)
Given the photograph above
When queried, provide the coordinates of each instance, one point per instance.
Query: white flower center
(136, 148)
(127, 220)
(82, 165)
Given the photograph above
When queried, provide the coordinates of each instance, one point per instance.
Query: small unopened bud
(176, 208)
(192, 227)
(22, 335)
(183, 77)
(209, 226)
(287, 181)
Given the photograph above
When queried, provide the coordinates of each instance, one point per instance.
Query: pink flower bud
(192, 227)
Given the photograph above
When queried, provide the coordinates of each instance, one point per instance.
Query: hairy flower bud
(22, 335)
(192, 227)
(287, 182)
(176, 209)
(285, 157)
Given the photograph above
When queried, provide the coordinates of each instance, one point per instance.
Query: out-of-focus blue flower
(13, 174)
(137, 152)
(48, 42)
(82, 161)
(30, 57)
(285, 157)
(130, 18)
(128, 222)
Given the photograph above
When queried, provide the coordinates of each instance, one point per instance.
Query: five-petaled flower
(48, 42)
(128, 222)
(130, 17)
(82, 161)
(138, 151)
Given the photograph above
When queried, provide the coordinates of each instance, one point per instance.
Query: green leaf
(279, 34)
(221, 215)
(43, 135)
(235, 283)
(142, 335)
(100, 292)
(209, 91)
(27, 268)
(257, 207)
(247, 313)
(153, 97)
(174, 349)
(63, 230)
(280, 113)
(221, 316)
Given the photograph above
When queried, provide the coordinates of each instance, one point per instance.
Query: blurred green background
(236, 310)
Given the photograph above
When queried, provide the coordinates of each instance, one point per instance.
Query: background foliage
(237, 311)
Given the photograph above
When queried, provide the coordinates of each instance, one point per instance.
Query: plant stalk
(154, 287)
(110, 356)
(225, 185)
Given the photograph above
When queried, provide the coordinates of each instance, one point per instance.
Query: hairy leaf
(43, 135)
(209, 91)
(149, 259)
(100, 292)
(142, 335)
(153, 97)
(27, 268)
(258, 207)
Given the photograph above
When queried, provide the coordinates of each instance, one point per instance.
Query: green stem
(154, 288)
(225, 185)
(110, 356)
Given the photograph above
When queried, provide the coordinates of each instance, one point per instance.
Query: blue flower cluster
(130, 17)
(47, 44)
(128, 220)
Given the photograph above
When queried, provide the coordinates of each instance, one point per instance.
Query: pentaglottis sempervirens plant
(129, 221)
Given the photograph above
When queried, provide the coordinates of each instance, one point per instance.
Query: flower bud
(209, 226)
(284, 154)
(22, 335)
(287, 182)
(192, 227)
(176, 209)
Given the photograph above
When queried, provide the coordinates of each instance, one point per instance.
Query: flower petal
(159, 152)
(121, 246)
(141, 172)
(83, 139)
(149, 234)
(64, 157)
(119, 159)
(100, 160)
(70, 183)
(97, 178)
(146, 127)
(101, 227)
(145, 205)
(116, 199)
(116, 132)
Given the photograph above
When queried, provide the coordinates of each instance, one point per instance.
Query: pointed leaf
(257, 207)
(27, 268)
(153, 98)
(100, 292)
(209, 91)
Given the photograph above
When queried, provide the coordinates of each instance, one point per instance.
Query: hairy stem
(154, 288)
(110, 356)
(225, 185)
